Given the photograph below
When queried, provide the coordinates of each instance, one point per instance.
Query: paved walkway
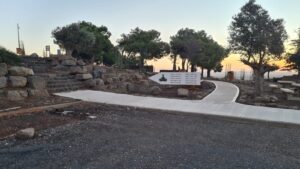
(220, 102)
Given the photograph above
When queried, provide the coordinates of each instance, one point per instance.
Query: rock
(137, 77)
(16, 95)
(17, 81)
(80, 63)
(109, 81)
(69, 62)
(97, 74)
(34, 55)
(155, 90)
(38, 93)
(99, 82)
(273, 99)
(123, 77)
(36, 82)
(77, 70)
(54, 63)
(115, 79)
(183, 92)
(3, 69)
(84, 76)
(262, 99)
(131, 88)
(3, 82)
(91, 83)
(89, 68)
(20, 71)
(145, 83)
(92, 117)
(24, 134)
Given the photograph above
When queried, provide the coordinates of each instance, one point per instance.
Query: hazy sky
(37, 18)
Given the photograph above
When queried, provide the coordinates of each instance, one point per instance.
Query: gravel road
(121, 138)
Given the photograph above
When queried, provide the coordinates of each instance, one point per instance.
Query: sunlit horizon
(120, 17)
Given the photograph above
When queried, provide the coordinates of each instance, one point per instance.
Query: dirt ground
(33, 102)
(125, 137)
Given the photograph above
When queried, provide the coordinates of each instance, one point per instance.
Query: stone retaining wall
(18, 83)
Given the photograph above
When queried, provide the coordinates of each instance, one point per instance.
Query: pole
(18, 28)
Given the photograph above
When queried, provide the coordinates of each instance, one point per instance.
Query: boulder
(77, 70)
(145, 83)
(34, 55)
(69, 62)
(131, 88)
(17, 81)
(54, 62)
(89, 68)
(86, 76)
(97, 73)
(3, 82)
(91, 83)
(137, 76)
(3, 69)
(20, 71)
(38, 93)
(16, 95)
(80, 63)
(155, 90)
(99, 82)
(273, 99)
(109, 81)
(24, 134)
(123, 77)
(183, 92)
(37, 82)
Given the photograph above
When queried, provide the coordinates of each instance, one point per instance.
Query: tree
(271, 68)
(8, 57)
(198, 48)
(258, 38)
(212, 57)
(143, 45)
(293, 60)
(86, 41)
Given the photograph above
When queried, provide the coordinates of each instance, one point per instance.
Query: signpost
(177, 78)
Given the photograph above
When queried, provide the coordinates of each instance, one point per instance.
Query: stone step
(63, 89)
(64, 85)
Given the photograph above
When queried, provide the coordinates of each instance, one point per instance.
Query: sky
(37, 19)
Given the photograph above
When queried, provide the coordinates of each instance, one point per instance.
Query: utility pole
(18, 28)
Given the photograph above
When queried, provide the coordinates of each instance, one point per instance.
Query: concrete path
(220, 102)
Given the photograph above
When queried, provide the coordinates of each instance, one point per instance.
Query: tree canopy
(258, 38)
(87, 41)
(198, 49)
(143, 45)
(293, 60)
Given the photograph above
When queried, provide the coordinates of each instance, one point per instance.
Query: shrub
(8, 57)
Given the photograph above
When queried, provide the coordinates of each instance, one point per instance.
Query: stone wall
(18, 83)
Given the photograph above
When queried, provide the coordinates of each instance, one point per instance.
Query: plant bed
(268, 97)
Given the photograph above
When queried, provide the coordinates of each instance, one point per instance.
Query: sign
(177, 78)
(19, 51)
(48, 48)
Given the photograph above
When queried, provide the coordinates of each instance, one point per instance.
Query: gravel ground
(122, 137)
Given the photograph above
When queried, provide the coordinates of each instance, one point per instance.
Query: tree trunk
(192, 68)
(183, 65)
(268, 75)
(174, 62)
(208, 73)
(259, 82)
(68, 52)
(142, 61)
(202, 72)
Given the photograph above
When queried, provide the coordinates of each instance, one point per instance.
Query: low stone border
(36, 109)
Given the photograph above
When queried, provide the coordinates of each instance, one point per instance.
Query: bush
(8, 57)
